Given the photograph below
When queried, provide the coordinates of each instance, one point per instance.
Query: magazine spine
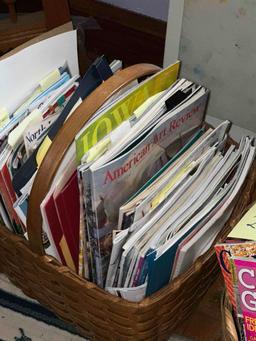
(89, 223)
(223, 256)
(138, 272)
(8, 202)
(83, 247)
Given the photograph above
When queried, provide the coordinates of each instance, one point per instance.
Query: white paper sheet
(21, 72)
(136, 294)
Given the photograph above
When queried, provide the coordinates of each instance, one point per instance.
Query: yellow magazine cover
(124, 108)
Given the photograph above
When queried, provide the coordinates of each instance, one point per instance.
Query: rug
(24, 319)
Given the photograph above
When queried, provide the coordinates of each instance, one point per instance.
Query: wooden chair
(18, 29)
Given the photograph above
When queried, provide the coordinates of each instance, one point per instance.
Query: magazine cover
(246, 283)
(224, 253)
(123, 109)
(108, 187)
(9, 196)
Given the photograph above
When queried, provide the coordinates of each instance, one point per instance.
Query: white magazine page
(118, 243)
(131, 265)
(129, 249)
(147, 122)
(180, 185)
(196, 198)
(133, 258)
(190, 208)
(141, 201)
(165, 189)
(130, 294)
(242, 165)
(142, 252)
(172, 168)
(217, 134)
(149, 226)
(184, 161)
(167, 223)
(199, 221)
(18, 210)
(150, 205)
(116, 65)
(5, 217)
(201, 242)
(162, 216)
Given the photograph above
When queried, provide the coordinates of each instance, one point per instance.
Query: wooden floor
(205, 323)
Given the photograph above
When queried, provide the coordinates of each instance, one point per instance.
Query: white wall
(153, 8)
(215, 40)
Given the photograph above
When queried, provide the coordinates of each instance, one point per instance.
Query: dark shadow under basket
(97, 314)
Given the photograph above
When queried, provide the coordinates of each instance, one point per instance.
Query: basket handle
(64, 139)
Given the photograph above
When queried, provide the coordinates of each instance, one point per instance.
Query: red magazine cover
(245, 269)
(8, 182)
(223, 254)
(54, 226)
(9, 198)
(67, 203)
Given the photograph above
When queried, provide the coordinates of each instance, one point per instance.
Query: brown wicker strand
(228, 323)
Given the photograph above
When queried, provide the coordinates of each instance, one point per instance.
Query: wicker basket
(228, 323)
(97, 314)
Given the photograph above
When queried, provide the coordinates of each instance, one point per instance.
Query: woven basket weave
(97, 314)
(228, 323)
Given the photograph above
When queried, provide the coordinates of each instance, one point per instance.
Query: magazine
(245, 270)
(130, 171)
(123, 109)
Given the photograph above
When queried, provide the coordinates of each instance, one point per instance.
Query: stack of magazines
(145, 187)
(237, 259)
